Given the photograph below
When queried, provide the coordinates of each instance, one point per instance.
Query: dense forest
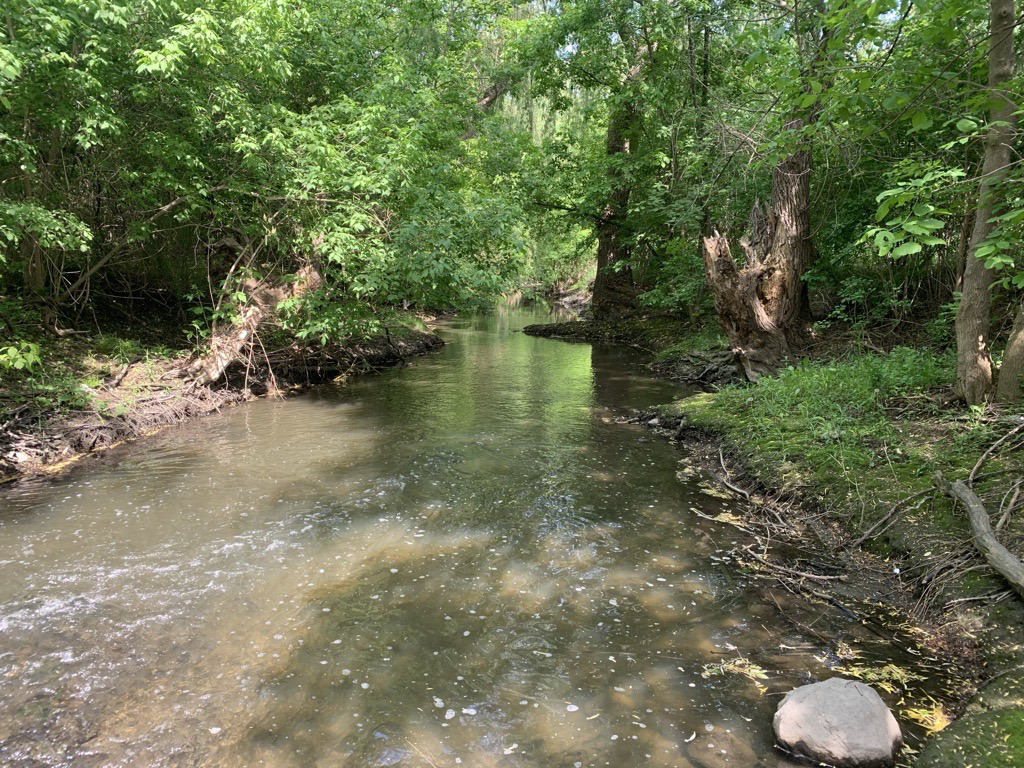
(773, 165)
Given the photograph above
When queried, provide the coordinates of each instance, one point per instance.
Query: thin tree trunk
(966, 227)
(1010, 388)
(699, 123)
(614, 291)
(974, 374)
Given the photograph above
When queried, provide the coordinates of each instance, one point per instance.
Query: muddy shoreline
(144, 398)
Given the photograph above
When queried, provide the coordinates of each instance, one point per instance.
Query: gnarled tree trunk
(614, 291)
(974, 375)
(763, 305)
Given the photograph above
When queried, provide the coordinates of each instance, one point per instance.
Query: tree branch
(1003, 562)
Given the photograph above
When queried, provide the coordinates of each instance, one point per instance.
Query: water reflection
(463, 562)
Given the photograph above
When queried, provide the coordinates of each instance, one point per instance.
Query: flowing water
(468, 561)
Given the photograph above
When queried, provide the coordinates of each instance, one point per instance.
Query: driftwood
(1004, 562)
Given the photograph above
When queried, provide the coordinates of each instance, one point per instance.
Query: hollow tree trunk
(1010, 388)
(614, 291)
(757, 342)
(974, 374)
(763, 306)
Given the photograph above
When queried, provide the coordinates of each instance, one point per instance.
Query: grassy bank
(855, 436)
(860, 437)
(65, 396)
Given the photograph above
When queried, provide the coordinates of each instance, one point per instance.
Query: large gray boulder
(839, 722)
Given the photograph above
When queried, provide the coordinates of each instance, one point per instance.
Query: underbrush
(58, 372)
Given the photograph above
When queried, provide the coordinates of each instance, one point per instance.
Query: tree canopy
(441, 154)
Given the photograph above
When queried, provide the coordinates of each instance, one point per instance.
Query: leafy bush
(22, 355)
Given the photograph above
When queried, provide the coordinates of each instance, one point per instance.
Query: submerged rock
(840, 722)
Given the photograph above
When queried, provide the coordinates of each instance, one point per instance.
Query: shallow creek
(468, 561)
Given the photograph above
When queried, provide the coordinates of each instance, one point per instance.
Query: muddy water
(464, 562)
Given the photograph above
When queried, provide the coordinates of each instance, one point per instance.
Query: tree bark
(1010, 388)
(763, 306)
(757, 343)
(974, 374)
(614, 291)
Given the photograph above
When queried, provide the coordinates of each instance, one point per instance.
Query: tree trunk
(228, 345)
(614, 291)
(1010, 388)
(763, 306)
(974, 376)
(963, 245)
(758, 345)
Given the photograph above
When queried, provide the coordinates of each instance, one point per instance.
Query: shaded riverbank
(94, 393)
(848, 442)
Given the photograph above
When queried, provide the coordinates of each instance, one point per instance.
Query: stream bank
(95, 392)
(848, 442)
(468, 559)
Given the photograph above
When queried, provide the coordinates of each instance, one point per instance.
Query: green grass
(696, 338)
(858, 434)
(985, 740)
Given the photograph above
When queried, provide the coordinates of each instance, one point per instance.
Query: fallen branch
(725, 478)
(116, 382)
(791, 571)
(990, 451)
(887, 516)
(999, 557)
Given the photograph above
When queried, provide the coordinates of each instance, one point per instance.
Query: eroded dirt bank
(144, 396)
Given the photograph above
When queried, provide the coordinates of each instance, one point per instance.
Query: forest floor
(846, 442)
(89, 392)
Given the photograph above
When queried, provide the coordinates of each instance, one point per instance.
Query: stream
(467, 561)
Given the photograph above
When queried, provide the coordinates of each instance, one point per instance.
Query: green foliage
(21, 356)
(917, 220)
(164, 148)
(678, 280)
(157, 130)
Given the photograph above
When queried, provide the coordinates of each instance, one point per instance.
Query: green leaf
(907, 249)
(920, 121)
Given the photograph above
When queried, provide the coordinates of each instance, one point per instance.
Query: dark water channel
(464, 562)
